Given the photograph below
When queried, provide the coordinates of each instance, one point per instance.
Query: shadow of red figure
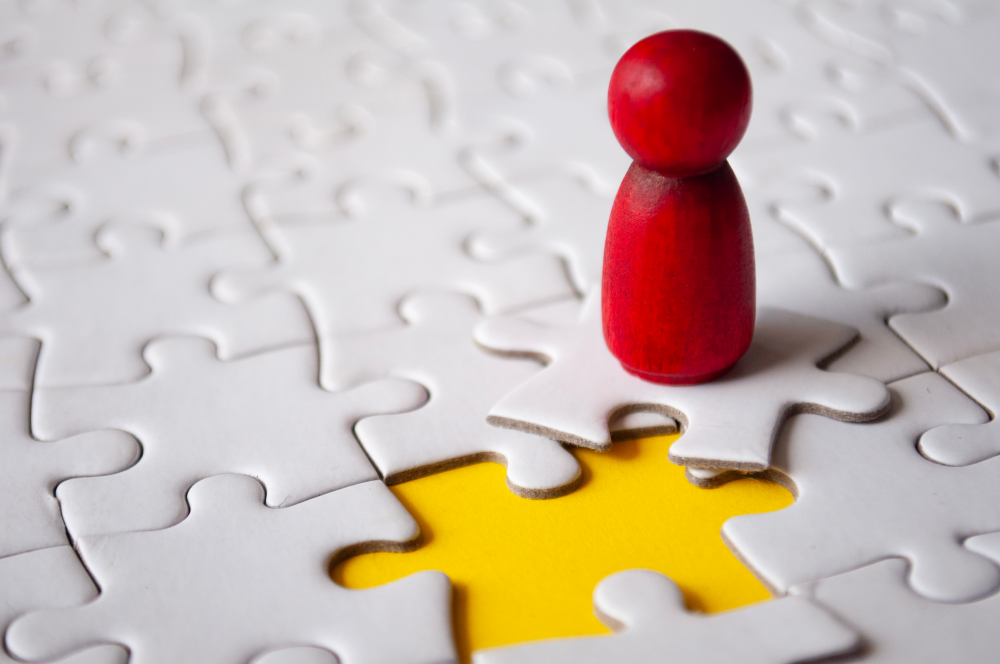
(678, 289)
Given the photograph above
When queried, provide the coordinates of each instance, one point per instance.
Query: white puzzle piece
(865, 493)
(801, 281)
(30, 469)
(352, 272)
(49, 579)
(264, 416)
(963, 444)
(730, 423)
(900, 626)
(436, 349)
(958, 258)
(646, 611)
(94, 319)
(237, 578)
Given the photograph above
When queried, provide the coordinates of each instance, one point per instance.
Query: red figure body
(678, 290)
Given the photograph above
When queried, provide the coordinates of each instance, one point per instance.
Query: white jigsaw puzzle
(195, 416)
(315, 244)
(646, 611)
(899, 503)
(95, 318)
(237, 579)
(583, 387)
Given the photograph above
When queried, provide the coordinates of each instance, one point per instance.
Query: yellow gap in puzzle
(525, 569)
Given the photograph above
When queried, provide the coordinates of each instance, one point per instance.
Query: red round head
(680, 102)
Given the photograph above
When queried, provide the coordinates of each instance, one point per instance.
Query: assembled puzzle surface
(284, 282)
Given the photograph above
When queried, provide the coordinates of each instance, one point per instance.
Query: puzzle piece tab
(964, 444)
(646, 611)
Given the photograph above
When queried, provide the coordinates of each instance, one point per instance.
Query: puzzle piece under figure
(30, 469)
(51, 578)
(264, 416)
(238, 578)
(584, 386)
(646, 611)
(94, 319)
(900, 504)
(959, 258)
(352, 273)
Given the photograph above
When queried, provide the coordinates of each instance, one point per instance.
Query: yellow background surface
(526, 569)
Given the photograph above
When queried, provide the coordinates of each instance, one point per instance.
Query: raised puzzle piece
(30, 469)
(211, 577)
(264, 416)
(963, 444)
(956, 257)
(900, 625)
(646, 611)
(584, 387)
(900, 504)
(49, 579)
(436, 349)
(94, 319)
(352, 273)
(799, 280)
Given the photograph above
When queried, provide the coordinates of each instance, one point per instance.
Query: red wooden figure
(678, 294)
